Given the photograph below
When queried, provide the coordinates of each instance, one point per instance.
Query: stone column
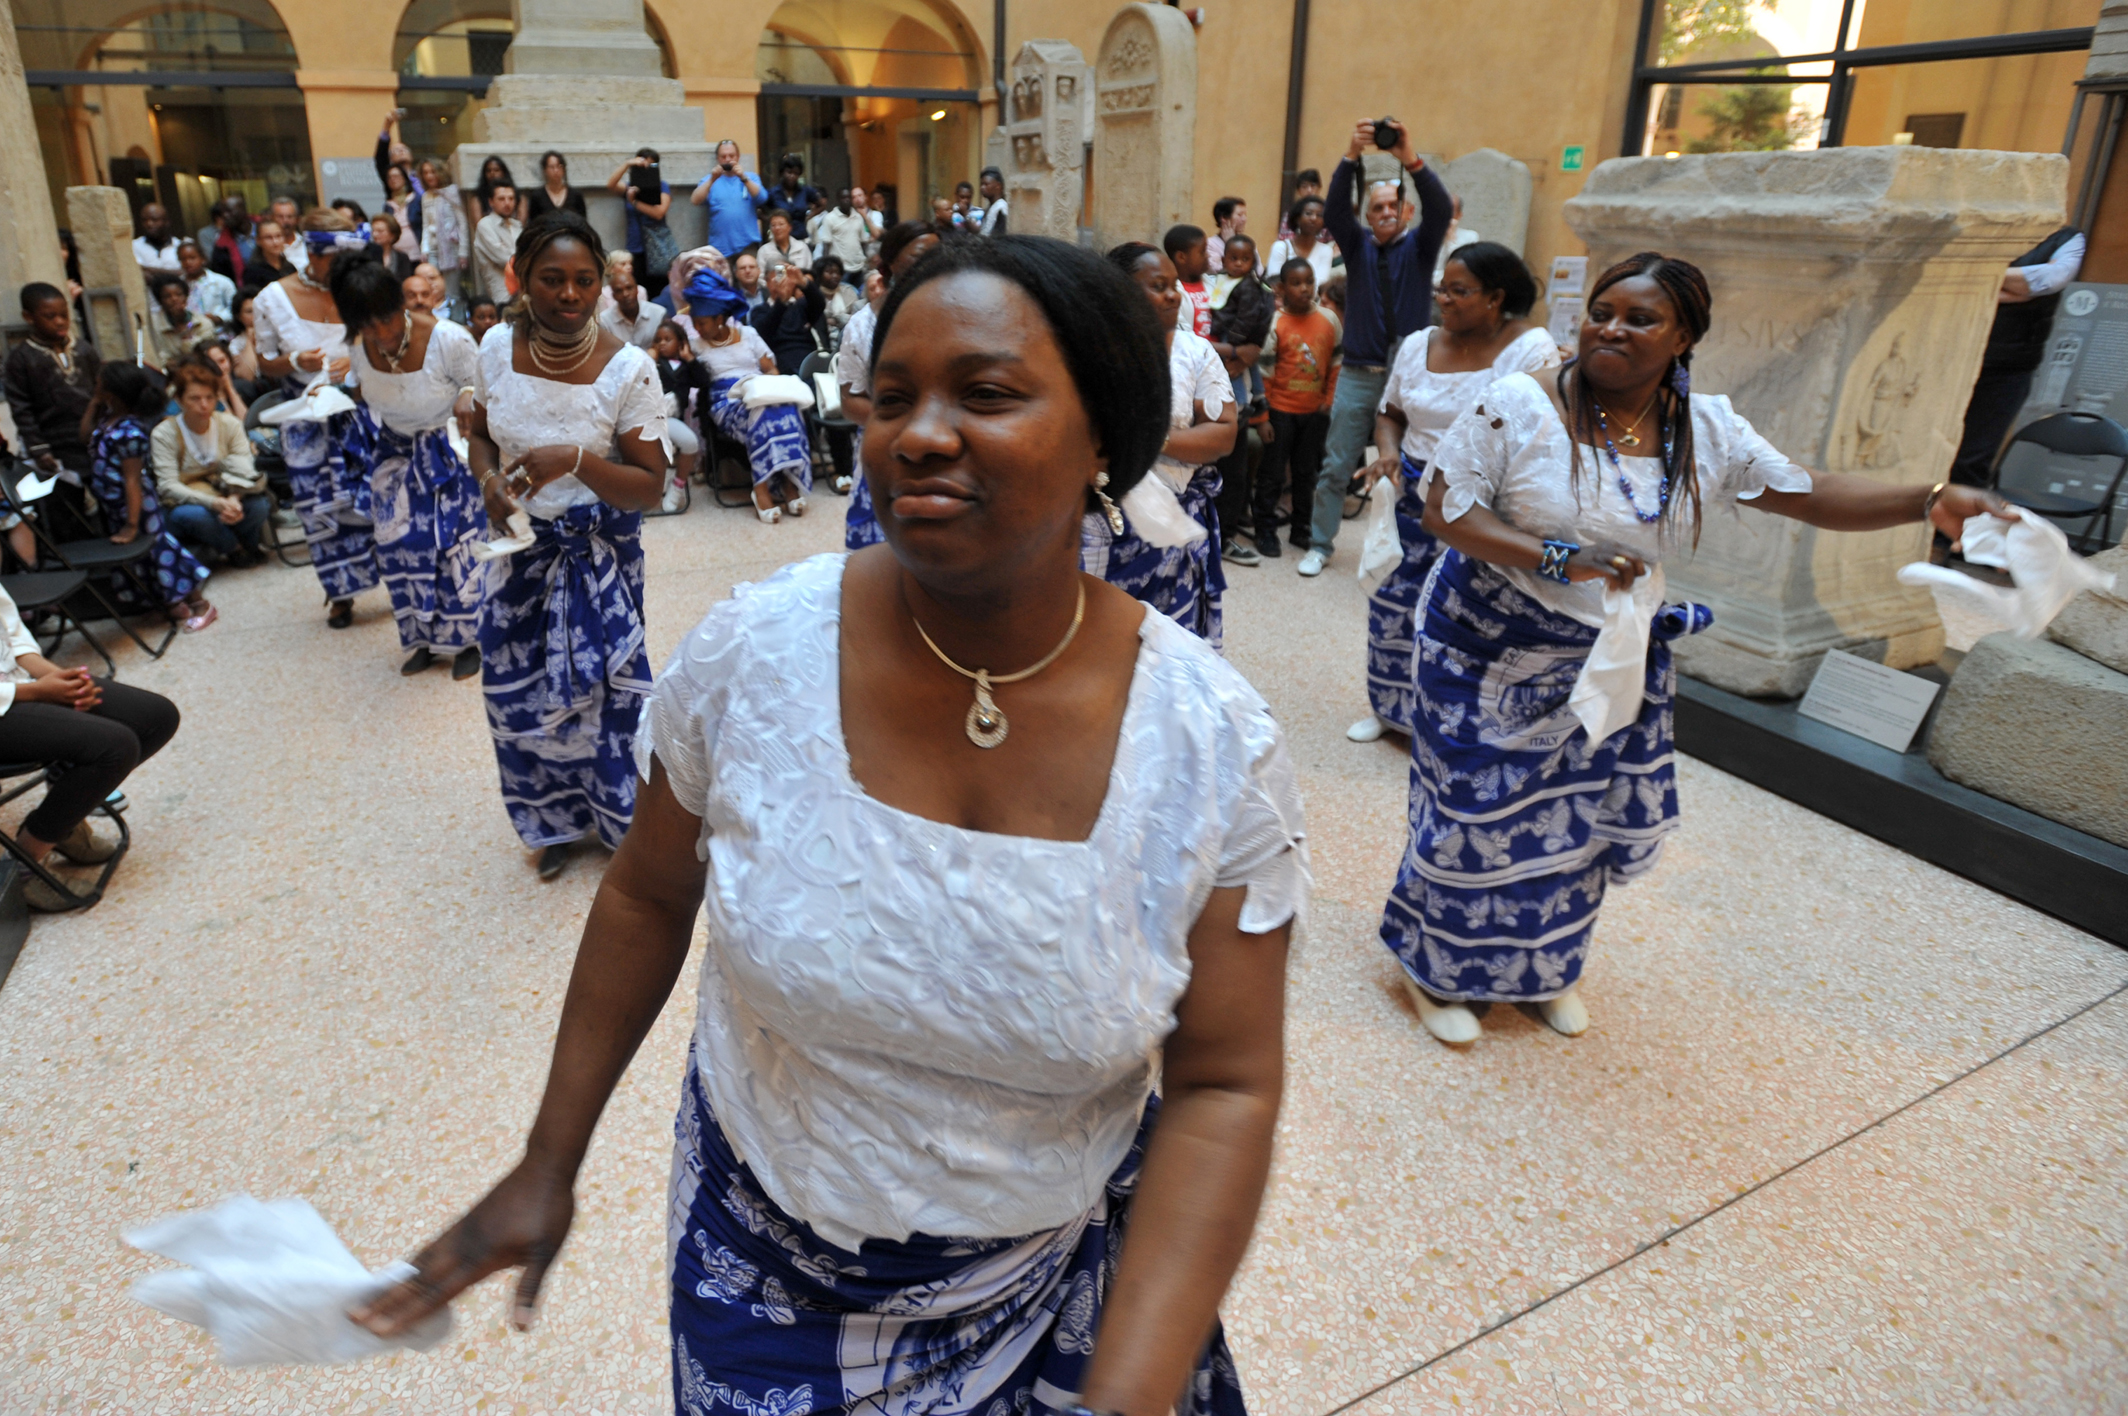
(583, 80)
(29, 235)
(1853, 291)
(1145, 124)
(1045, 158)
(102, 223)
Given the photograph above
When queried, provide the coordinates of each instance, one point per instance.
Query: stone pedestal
(1045, 139)
(29, 233)
(583, 80)
(1145, 124)
(1495, 189)
(102, 223)
(1853, 291)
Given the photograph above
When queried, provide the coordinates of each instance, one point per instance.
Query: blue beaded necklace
(1625, 484)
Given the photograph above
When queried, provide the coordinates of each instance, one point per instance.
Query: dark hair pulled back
(533, 242)
(1496, 268)
(364, 291)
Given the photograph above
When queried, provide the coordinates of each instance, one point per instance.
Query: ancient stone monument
(1853, 290)
(1045, 134)
(583, 78)
(29, 231)
(1145, 124)
(1495, 189)
(102, 223)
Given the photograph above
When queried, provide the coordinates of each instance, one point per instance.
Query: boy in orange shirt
(1299, 362)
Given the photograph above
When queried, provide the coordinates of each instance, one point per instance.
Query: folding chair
(98, 558)
(729, 470)
(819, 426)
(36, 775)
(277, 482)
(37, 590)
(2056, 467)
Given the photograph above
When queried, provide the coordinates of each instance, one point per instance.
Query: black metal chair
(2067, 467)
(48, 591)
(99, 559)
(727, 468)
(35, 775)
(819, 427)
(275, 469)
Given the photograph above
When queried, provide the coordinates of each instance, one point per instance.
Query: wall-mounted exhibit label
(1869, 700)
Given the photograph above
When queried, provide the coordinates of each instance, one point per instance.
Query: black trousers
(840, 450)
(1993, 407)
(1296, 445)
(89, 754)
(1236, 472)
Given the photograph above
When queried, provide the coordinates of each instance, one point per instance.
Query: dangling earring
(1109, 509)
(1681, 378)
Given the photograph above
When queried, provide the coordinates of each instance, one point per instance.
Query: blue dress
(1184, 583)
(1391, 626)
(774, 434)
(178, 573)
(328, 469)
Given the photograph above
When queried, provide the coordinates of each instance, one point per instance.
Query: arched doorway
(878, 92)
(180, 102)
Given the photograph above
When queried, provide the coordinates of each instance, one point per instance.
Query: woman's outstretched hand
(1957, 502)
(1612, 569)
(521, 1223)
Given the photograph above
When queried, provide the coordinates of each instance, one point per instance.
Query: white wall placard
(1869, 700)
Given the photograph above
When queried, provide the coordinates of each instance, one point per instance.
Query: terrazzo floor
(1848, 1133)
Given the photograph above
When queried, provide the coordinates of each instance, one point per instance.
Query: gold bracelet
(1928, 503)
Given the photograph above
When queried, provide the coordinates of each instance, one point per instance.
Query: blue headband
(326, 243)
(709, 293)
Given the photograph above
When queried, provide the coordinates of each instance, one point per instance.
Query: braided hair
(532, 243)
(1685, 287)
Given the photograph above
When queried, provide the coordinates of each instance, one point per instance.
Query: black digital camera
(1387, 134)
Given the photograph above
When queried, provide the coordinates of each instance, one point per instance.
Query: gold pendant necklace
(1631, 436)
(987, 724)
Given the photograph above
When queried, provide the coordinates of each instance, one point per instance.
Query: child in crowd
(1300, 362)
(1242, 307)
(124, 488)
(180, 330)
(482, 316)
(1186, 252)
(840, 299)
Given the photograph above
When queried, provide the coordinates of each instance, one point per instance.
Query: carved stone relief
(1145, 121)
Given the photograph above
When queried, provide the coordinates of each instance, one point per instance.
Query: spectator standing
(207, 292)
(1229, 216)
(630, 318)
(1389, 273)
(791, 195)
(965, 215)
(1241, 322)
(1187, 252)
(842, 232)
(403, 201)
(875, 220)
(1300, 359)
(734, 197)
(650, 240)
(155, 248)
(270, 261)
(995, 211)
(1304, 240)
(443, 236)
(384, 240)
(230, 246)
(495, 243)
(782, 248)
(2017, 343)
(1306, 183)
(494, 172)
(554, 192)
(284, 213)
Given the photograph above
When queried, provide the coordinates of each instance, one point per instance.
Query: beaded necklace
(1625, 484)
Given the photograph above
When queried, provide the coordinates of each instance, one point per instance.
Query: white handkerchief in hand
(1614, 678)
(520, 537)
(1383, 548)
(33, 486)
(1157, 516)
(273, 1283)
(2046, 573)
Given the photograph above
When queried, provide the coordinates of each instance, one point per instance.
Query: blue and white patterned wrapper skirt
(774, 434)
(1391, 630)
(564, 674)
(1185, 583)
(428, 519)
(768, 1319)
(328, 469)
(860, 524)
(1518, 821)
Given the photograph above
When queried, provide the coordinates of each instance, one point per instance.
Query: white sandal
(768, 514)
(795, 506)
(1452, 1023)
(1566, 1015)
(1367, 729)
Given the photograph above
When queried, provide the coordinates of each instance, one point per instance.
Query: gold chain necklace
(986, 721)
(1631, 436)
(565, 358)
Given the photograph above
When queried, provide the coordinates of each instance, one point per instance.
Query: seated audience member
(839, 298)
(175, 329)
(440, 304)
(119, 480)
(786, 320)
(155, 248)
(482, 316)
(630, 318)
(746, 279)
(420, 295)
(97, 729)
(732, 352)
(244, 343)
(229, 242)
(229, 399)
(686, 402)
(51, 379)
(781, 248)
(209, 293)
(214, 496)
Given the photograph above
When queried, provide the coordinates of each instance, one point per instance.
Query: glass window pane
(2018, 104)
(1919, 21)
(1708, 31)
(1774, 117)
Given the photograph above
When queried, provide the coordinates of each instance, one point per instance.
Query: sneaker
(673, 493)
(83, 846)
(1239, 551)
(1312, 563)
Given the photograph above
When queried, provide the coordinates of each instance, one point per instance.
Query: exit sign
(1570, 160)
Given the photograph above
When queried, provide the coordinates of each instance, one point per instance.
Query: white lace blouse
(906, 1026)
(416, 402)
(1511, 453)
(1195, 374)
(283, 334)
(526, 411)
(1431, 401)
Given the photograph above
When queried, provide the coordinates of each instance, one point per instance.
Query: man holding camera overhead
(1389, 294)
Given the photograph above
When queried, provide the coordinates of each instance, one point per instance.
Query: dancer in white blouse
(413, 369)
(986, 1065)
(300, 336)
(567, 430)
(1482, 333)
